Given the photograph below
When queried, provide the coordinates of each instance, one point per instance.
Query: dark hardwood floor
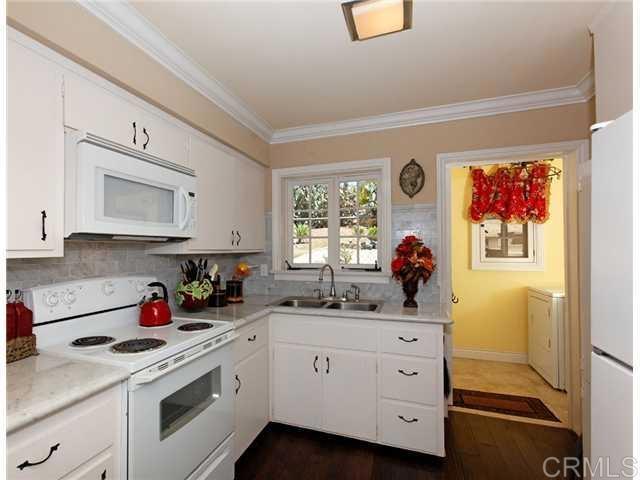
(477, 448)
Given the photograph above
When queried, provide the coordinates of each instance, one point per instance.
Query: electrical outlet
(264, 270)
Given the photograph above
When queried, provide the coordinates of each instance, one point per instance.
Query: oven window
(181, 407)
(129, 200)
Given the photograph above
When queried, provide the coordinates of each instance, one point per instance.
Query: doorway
(489, 346)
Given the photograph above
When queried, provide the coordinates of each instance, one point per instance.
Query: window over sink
(337, 214)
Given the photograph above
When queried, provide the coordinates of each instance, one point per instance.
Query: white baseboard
(511, 357)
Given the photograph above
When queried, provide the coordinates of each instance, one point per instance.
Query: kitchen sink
(331, 304)
(301, 303)
(355, 306)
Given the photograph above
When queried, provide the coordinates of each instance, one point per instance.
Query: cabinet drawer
(250, 339)
(413, 380)
(101, 467)
(407, 341)
(325, 332)
(411, 426)
(69, 438)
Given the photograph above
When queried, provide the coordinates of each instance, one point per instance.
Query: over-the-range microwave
(116, 192)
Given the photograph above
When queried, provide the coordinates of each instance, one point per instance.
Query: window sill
(352, 277)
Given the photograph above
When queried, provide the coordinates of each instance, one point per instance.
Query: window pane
(319, 250)
(320, 228)
(368, 194)
(348, 251)
(301, 197)
(301, 251)
(301, 214)
(505, 240)
(369, 217)
(348, 226)
(319, 197)
(348, 194)
(300, 229)
(517, 241)
(368, 251)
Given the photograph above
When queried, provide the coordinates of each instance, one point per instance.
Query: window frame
(282, 218)
(534, 261)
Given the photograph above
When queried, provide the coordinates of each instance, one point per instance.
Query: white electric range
(180, 402)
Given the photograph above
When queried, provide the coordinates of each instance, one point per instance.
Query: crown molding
(581, 92)
(128, 22)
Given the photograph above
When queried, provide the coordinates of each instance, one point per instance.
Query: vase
(194, 304)
(410, 288)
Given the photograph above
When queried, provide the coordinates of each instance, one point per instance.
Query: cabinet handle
(44, 228)
(252, 339)
(239, 384)
(104, 475)
(27, 463)
(327, 364)
(134, 133)
(411, 374)
(144, 145)
(411, 420)
(233, 237)
(315, 364)
(414, 339)
(239, 237)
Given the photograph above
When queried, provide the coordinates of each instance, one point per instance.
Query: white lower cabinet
(375, 380)
(81, 442)
(350, 393)
(297, 385)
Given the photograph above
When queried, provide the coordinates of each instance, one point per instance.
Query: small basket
(21, 347)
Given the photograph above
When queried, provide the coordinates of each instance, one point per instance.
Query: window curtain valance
(515, 194)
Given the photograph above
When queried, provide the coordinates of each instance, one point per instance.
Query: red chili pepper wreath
(517, 194)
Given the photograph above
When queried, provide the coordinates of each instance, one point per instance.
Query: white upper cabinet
(35, 155)
(249, 211)
(95, 109)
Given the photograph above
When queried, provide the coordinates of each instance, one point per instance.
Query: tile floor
(509, 378)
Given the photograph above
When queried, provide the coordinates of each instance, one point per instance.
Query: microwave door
(124, 195)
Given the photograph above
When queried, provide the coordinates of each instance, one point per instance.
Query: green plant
(301, 231)
(345, 256)
(199, 290)
(372, 232)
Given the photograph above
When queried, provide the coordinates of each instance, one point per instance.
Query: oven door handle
(153, 373)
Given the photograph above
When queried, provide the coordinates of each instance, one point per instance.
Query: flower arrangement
(195, 288)
(413, 262)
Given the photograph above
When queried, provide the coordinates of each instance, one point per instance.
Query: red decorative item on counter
(412, 263)
(12, 321)
(24, 317)
(21, 343)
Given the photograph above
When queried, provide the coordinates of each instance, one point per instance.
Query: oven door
(121, 194)
(178, 419)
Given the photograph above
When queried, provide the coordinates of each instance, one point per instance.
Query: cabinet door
(250, 205)
(215, 172)
(35, 155)
(252, 399)
(164, 140)
(350, 392)
(540, 332)
(94, 109)
(297, 385)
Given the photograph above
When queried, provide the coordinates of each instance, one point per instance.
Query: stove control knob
(69, 297)
(51, 299)
(108, 288)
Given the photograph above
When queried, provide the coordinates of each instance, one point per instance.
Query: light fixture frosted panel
(372, 18)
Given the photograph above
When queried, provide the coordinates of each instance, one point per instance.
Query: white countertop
(257, 306)
(45, 384)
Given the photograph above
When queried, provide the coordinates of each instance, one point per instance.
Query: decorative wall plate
(412, 178)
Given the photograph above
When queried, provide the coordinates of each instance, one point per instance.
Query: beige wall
(424, 142)
(613, 50)
(73, 31)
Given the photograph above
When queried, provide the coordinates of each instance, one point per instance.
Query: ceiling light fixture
(372, 18)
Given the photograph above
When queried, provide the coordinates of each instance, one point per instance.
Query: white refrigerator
(612, 183)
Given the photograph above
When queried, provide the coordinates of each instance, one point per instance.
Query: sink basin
(353, 306)
(301, 303)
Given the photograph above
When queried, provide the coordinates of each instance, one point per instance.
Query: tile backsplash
(84, 259)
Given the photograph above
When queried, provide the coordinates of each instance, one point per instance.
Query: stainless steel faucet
(332, 290)
(356, 292)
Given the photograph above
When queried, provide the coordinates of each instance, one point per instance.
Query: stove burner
(92, 341)
(138, 345)
(195, 326)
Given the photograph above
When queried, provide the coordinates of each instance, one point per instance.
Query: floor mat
(517, 405)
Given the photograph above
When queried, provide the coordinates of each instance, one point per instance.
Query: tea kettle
(155, 311)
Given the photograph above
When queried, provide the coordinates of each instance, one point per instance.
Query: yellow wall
(492, 312)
